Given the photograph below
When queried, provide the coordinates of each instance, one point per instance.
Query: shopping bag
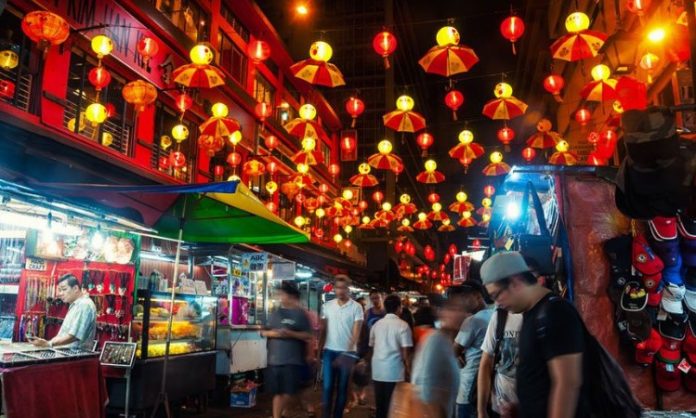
(537, 247)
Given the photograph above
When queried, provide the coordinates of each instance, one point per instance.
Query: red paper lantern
(99, 77)
(554, 84)
(218, 170)
(593, 137)
(631, 93)
(506, 135)
(528, 154)
(45, 28)
(7, 89)
(271, 167)
(454, 99)
(234, 159)
(263, 111)
(348, 143)
(447, 258)
(582, 116)
(324, 188)
(433, 197)
(355, 107)
(512, 29)
(637, 7)
(452, 250)
(425, 141)
(398, 246)
(434, 275)
(384, 44)
(147, 48)
(110, 110)
(489, 190)
(271, 142)
(258, 51)
(183, 102)
(378, 196)
(429, 253)
(177, 159)
(334, 169)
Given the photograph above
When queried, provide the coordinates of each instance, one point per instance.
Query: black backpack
(608, 395)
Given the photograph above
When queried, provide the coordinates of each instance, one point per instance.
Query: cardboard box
(243, 399)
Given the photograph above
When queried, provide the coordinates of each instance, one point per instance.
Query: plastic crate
(243, 399)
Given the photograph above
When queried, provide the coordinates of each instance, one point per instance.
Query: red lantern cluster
(454, 99)
(384, 44)
(512, 29)
(355, 107)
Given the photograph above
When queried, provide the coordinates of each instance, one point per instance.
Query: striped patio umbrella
(496, 169)
(448, 60)
(303, 128)
(470, 151)
(459, 207)
(302, 180)
(308, 157)
(405, 228)
(423, 224)
(544, 140)
(385, 215)
(363, 180)
(438, 216)
(316, 72)
(430, 177)
(446, 228)
(404, 121)
(386, 162)
(504, 108)
(599, 90)
(578, 46)
(563, 158)
(380, 223)
(367, 226)
(466, 222)
(404, 209)
(198, 76)
(219, 127)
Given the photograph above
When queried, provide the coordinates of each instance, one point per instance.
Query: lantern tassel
(514, 49)
(454, 115)
(352, 124)
(558, 98)
(507, 148)
(387, 65)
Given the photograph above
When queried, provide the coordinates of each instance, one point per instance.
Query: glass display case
(193, 323)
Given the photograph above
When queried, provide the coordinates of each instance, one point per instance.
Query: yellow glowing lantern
(466, 137)
(180, 132)
(422, 216)
(73, 121)
(220, 110)
(299, 221)
(302, 168)
(165, 142)
(236, 138)
(8, 59)
(308, 112)
(447, 35)
(384, 146)
(486, 202)
(309, 144)
(365, 220)
(496, 157)
(577, 22)
(405, 199)
(271, 187)
(102, 45)
(617, 106)
(437, 206)
(320, 212)
(107, 139)
(466, 214)
(503, 91)
(201, 54)
(364, 168)
(405, 103)
(600, 72)
(486, 217)
(461, 197)
(446, 221)
(96, 113)
(386, 206)
(657, 35)
(320, 51)
(348, 229)
(405, 222)
(347, 194)
(430, 166)
(562, 146)
(338, 238)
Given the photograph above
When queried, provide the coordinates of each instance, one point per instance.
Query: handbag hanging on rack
(537, 247)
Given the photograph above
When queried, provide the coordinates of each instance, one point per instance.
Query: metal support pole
(691, 18)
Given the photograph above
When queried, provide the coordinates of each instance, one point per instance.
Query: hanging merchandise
(563, 156)
(199, 74)
(363, 178)
(404, 119)
(544, 138)
(385, 160)
(384, 44)
(497, 167)
(448, 58)
(316, 69)
(580, 42)
(512, 29)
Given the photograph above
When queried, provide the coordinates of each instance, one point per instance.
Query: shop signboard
(461, 265)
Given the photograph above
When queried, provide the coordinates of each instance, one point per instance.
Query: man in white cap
(551, 345)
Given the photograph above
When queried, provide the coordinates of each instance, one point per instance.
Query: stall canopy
(222, 213)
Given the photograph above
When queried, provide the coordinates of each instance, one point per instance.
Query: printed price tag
(684, 366)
